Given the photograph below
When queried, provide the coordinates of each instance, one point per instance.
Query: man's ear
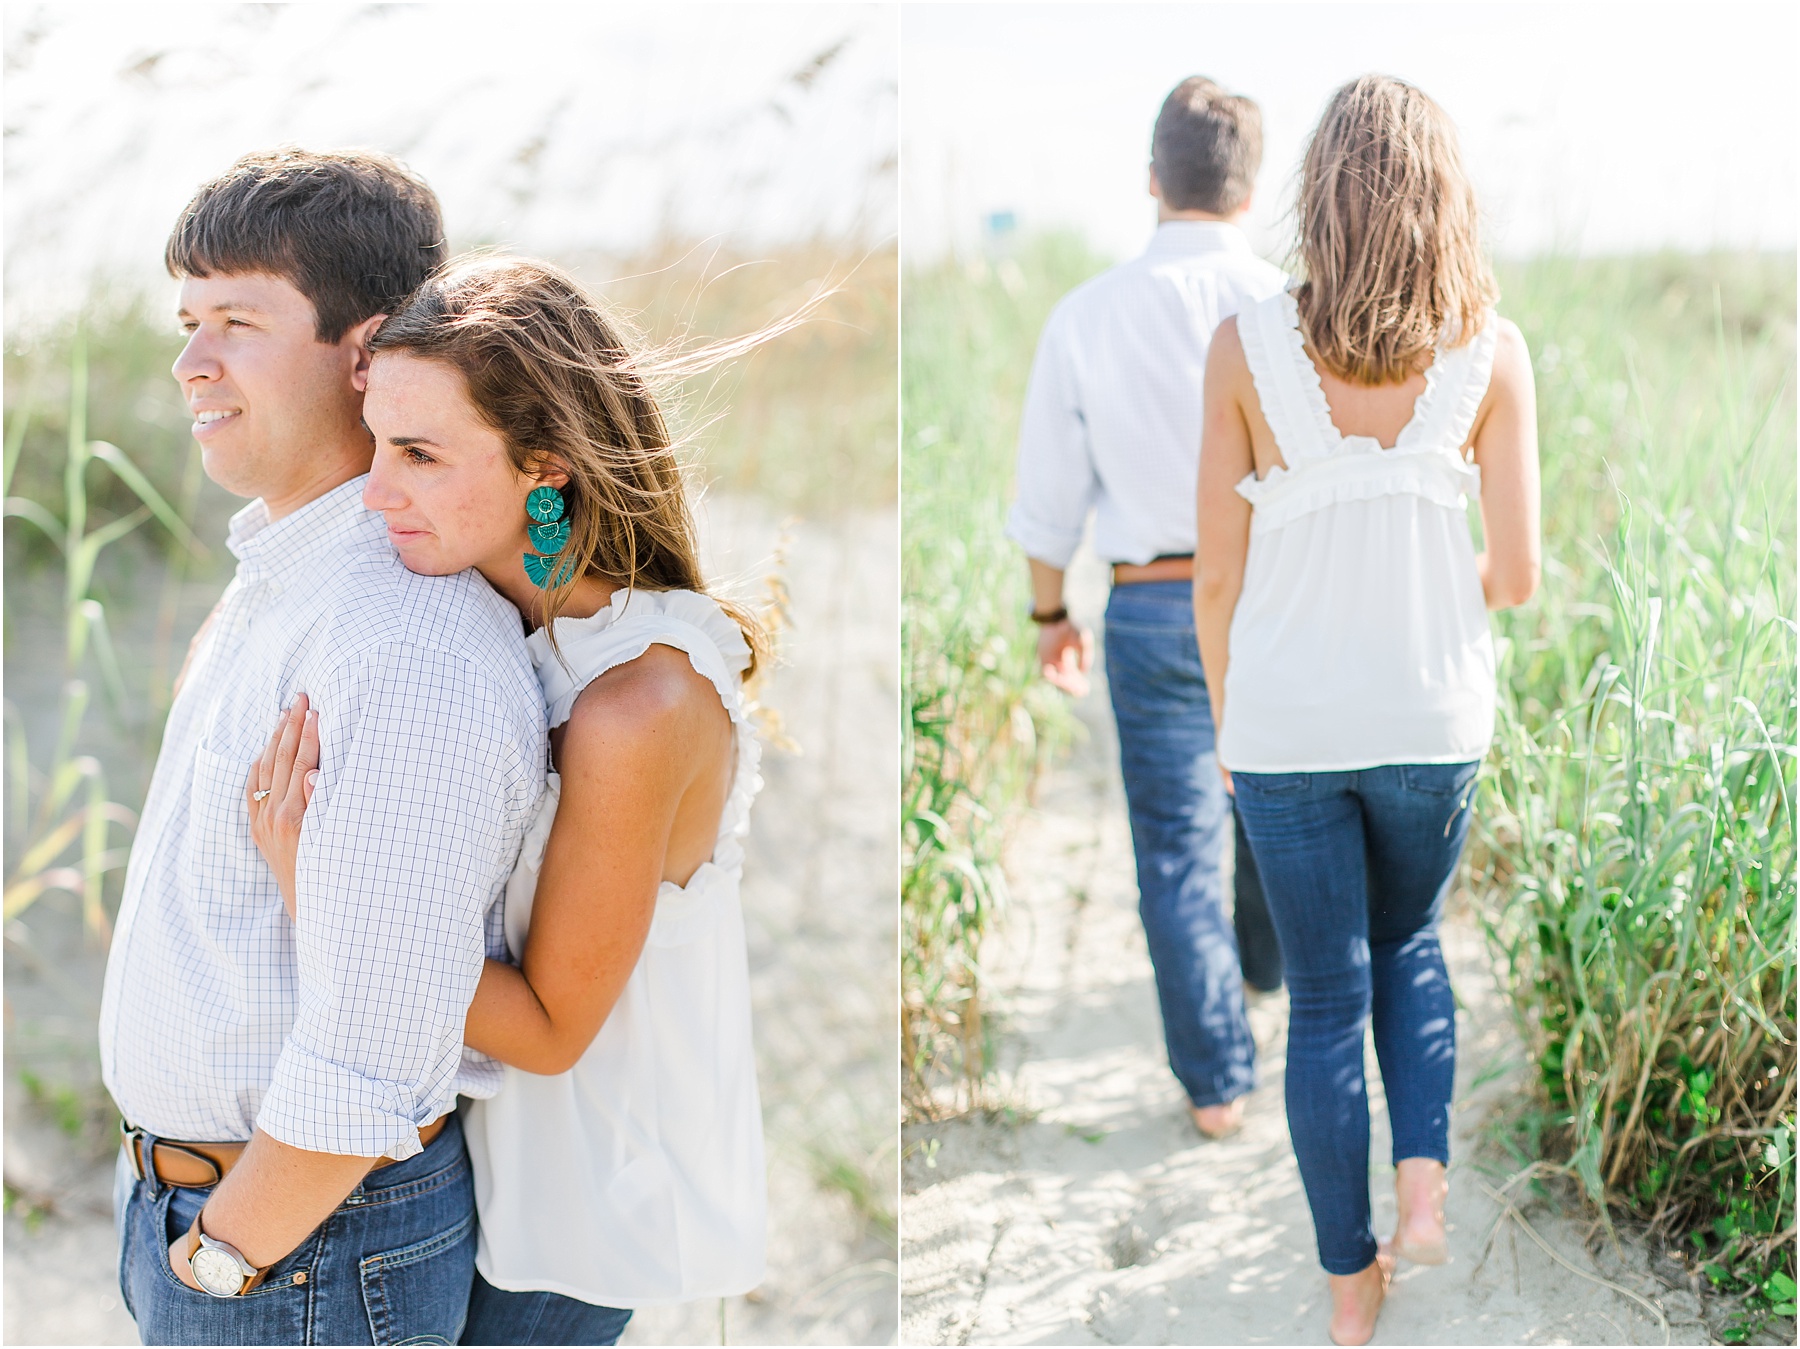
(359, 338)
(1154, 185)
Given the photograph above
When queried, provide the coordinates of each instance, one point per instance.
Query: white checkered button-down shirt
(1113, 412)
(342, 1033)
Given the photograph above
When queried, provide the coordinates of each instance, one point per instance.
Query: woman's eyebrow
(402, 442)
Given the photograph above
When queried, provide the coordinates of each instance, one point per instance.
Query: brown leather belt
(1175, 567)
(198, 1166)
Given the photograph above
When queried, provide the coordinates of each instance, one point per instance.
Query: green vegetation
(1635, 839)
(1634, 859)
(58, 801)
(979, 722)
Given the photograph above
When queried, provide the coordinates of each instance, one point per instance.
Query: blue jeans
(1179, 815)
(1356, 866)
(499, 1317)
(392, 1264)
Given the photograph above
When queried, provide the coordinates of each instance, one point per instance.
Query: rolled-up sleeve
(1056, 481)
(409, 839)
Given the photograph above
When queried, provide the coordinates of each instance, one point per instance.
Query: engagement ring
(258, 796)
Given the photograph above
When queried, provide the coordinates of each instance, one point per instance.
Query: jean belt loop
(146, 1146)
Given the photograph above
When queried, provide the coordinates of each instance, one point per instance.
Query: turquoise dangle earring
(549, 534)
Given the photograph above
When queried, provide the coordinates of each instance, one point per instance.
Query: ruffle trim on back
(1359, 474)
(1293, 395)
(1323, 465)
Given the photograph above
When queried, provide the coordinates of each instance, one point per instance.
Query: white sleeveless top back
(1361, 634)
(636, 1178)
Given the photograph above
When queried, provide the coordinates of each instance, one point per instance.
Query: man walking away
(1112, 427)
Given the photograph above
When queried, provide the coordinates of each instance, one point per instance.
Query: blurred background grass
(1634, 861)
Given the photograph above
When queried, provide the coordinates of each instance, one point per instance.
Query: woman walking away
(1341, 610)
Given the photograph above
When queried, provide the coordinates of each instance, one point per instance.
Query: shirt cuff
(321, 1106)
(1047, 543)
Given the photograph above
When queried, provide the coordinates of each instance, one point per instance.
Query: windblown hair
(1389, 243)
(551, 370)
(1206, 148)
(355, 231)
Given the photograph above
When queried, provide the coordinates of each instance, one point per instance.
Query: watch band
(197, 1239)
(1056, 615)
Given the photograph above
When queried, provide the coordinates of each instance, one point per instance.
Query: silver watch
(218, 1267)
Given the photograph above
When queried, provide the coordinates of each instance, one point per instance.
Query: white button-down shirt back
(342, 1033)
(1113, 413)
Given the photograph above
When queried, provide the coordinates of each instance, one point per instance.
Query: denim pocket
(1273, 784)
(1155, 671)
(176, 1210)
(406, 1292)
(1448, 780)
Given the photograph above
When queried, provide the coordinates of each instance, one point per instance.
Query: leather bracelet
(1060, 614)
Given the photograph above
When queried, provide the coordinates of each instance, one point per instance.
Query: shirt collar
(1187, 238)
(336, 520)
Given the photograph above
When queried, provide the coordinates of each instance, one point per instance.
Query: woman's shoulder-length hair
(1389, 239)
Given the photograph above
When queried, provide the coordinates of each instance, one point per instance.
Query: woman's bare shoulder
(644, 701)
(1226, 365)
(1512, 359)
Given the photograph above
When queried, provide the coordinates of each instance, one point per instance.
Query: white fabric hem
(1363, 765)
(627, 1302)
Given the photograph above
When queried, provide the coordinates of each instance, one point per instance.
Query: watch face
(216, 1272)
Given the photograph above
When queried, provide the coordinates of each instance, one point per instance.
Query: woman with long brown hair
(1341, 609)
(517, 431)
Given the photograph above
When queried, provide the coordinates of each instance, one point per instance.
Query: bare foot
(1420, 1186)
(1356, 1301)
(1219, 1121)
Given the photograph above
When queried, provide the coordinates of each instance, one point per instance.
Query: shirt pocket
(227, 875)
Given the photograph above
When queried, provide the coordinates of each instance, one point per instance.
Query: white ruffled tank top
(637, 1178)
(1361, 635)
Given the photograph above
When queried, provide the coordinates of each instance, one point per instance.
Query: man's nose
(196, 360)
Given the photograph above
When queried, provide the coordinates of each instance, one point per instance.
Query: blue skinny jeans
(1356, 867)
(1179, 815)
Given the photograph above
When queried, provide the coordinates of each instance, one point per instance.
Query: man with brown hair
(1111, 429)
(292, 1169)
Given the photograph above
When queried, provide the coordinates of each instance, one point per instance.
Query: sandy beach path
(1087, 1210)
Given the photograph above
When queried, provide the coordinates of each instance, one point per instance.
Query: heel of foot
(1421, 1252)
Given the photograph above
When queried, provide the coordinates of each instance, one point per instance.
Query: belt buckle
(133, 1139)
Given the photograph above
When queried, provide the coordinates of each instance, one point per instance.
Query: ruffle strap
(630, 625)
(1287, 384)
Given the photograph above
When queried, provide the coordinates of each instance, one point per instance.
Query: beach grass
(1633, 860)
(1634, 853)
(979, 722)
